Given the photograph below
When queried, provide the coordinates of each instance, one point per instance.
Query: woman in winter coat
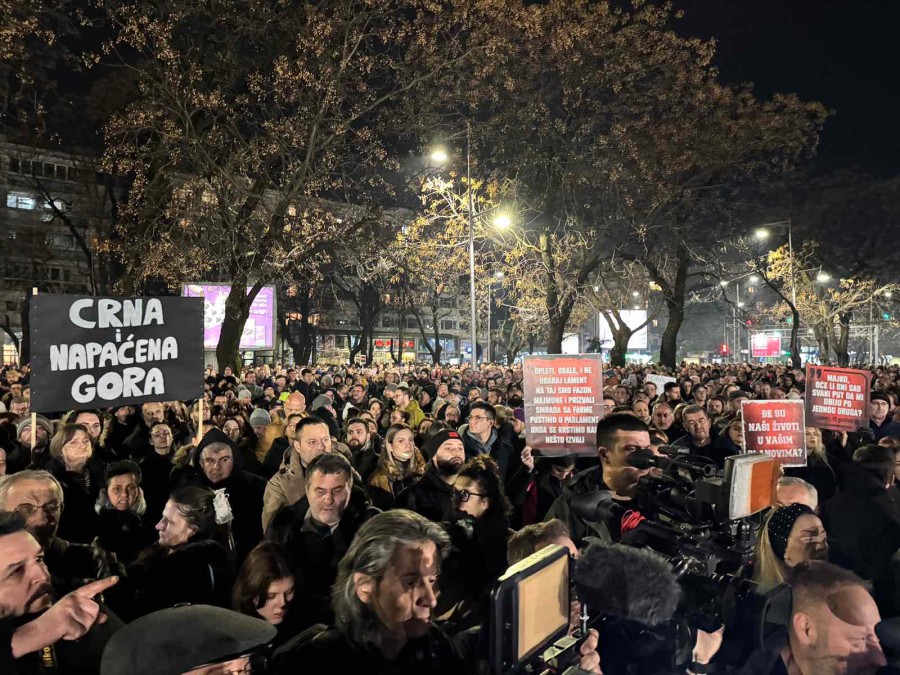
(80, 472)
(192, 562)
(399, 466)
(120, 508)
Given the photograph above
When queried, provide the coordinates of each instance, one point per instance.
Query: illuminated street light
(888, 294)
(636, 294)
(502, 222)
(754, 279)
(761, 234)
(439, 156)
(723, 283)
(823, 277)
(740, 304)
(498, 275)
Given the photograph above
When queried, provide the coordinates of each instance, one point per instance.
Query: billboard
(259, 331)
(763, 346)
(632, 318)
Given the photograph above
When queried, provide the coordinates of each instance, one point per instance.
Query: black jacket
(499, 447)
(79, 522)
(314, 554)
(333, 651)
(124, 533)
(199, 573)
(156, 472)
(863, 525)
(582, 483)
(430, 497)
(73, 565)
(275, 456)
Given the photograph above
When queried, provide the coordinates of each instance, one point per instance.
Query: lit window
(20, 200)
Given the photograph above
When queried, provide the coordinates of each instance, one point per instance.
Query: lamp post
(762, 234)
(439, 156)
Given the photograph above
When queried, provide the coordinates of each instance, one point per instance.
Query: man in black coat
(481, 437)
(432, 496)
(863, 523)
(317, 530)
(216, 466)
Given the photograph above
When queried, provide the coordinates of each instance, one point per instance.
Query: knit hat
(321, 401)
(433, 444)
(390, 388)
(41, 421)
(519, 414)
(260, 418)
(244, 394)
(781, 523)
(215, 635)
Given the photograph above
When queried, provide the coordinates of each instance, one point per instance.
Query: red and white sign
(777, 429)
(563, 403)
(390, 344)
(837, 398)
(762, 346)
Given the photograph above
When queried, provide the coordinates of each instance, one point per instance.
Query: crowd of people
(358, 517)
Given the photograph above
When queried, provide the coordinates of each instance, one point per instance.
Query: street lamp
(761, 234)
(501, 222)
(823, 277)
(723, 283)
(754, 279)
(636, 294)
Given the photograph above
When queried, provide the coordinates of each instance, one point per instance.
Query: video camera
(702, 527)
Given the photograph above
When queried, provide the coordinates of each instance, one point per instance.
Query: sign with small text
(777, 429)
(837, 398)
(563, 403)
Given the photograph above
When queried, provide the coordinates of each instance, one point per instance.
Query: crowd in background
(288, 494)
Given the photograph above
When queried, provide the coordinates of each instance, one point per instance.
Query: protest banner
(91, 352)
(563, 403)
(837, 398)
(777, 429)
(659, 380)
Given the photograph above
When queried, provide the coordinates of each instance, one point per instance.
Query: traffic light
(748, 322)
(724, 349)
(886, 316)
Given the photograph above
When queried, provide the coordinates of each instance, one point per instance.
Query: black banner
(96, 352)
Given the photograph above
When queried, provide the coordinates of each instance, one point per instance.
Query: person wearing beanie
(880, 421)
(323, 408)
(790, 535)
(432, 495)
(22, 455)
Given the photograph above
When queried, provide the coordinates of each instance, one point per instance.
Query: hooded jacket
(123, 533)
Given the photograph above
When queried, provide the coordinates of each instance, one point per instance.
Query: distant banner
(89, 352)
(659, 380)
(777, 429)
(563, 403)
(837, 398)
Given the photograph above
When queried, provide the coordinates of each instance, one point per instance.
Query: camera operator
(618, 435)
(383, 601)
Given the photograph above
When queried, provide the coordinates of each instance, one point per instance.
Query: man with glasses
(481, 437)
(38, 498)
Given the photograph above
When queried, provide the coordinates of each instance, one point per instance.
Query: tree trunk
(840, 347)
(795, 338)
(237, 310)
(674, 299)
(619, 349)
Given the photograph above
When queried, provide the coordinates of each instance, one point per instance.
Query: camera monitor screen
(532, 600)
(751, 480)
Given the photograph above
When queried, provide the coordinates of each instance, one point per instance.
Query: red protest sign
(837, 398)
(563, 403)
(776, 428)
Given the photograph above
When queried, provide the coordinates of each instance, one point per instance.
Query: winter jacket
(387, 480)
(79, 522)
(123, 533)
(583, 483)
(430, 497)
(498, 447)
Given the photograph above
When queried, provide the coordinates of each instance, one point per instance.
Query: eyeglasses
(478, 417)
(29, 510)
(465, 495)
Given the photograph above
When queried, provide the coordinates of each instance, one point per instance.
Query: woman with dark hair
(156, 468)
(80, 472)
(245, 440)
(120, 507)
(192, 561)
(265, 588)
(481, 501)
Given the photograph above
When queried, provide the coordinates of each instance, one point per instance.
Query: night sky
(843, 53)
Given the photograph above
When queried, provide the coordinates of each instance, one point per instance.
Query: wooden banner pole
(200, 401)
(34, 291)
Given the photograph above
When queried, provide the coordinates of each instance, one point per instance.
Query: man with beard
(365, 447)
(36, 645)
(22, 454)
(358, 400)
(38, 498)
(432, 496)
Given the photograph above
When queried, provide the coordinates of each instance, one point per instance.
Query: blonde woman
(399, 466)
(790, 535)
(818, 470)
